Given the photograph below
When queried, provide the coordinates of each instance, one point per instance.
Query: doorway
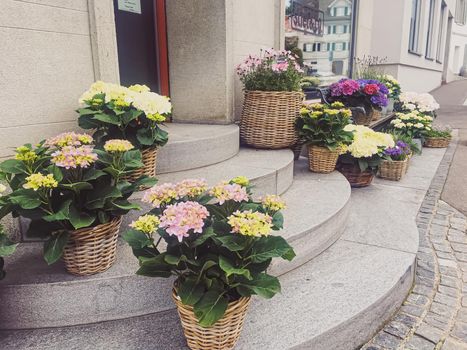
(142, 43)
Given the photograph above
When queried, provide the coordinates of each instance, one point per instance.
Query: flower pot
(268, 119)
(223, 335)
(437, 142)
(376, 114)
(149, 159)
(360, 117)
(92, 250)
(355, 176)
(322, 159)
(393, 170)
(390, 106)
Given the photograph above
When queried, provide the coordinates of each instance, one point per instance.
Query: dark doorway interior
(137, 45)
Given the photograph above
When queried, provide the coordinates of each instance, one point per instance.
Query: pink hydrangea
(74, 157)
(191, 188)
(225, 192)
(178, 219)
(161, 194)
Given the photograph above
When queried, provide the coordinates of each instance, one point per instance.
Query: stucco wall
(46, 62)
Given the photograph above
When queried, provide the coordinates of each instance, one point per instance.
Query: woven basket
(149, 158)
(437, 142)
(360, 117)
(376, 114)
(268, 118)
(322, 159)
(297, 149)
(222, 335)
(393, 170)
(92, 250)
(355, 176)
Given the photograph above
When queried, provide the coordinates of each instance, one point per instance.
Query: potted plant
(218, 247)
(134, 114)
(362, 157)
(437, 138)
(423, 103)
(413, 124)
(394, 90)
(368, 94)
(309, 85)
(395, 161)
(74, 195)
(272, 101)
(322, 128)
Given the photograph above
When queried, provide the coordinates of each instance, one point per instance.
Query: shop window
(461, 12)
(414, 26)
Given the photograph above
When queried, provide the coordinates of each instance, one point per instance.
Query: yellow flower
(25, 154)
(316, 114)
(317, 106)
(139, 88)
(241, 180)
(273, 202)
(146, 223)
(337, 105)
(331, 111)
(304, 111)
(116, 146)
(248, 223)
(38, 181)
(156, 117)
(346, 112)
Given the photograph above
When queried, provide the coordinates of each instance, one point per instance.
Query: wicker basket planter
(360, 117)
(149, 158)
(223, 335)
(322, 159)
(393, 170)
(268, 119)
(437, 142)
(376, 114)
(355, 176)
(92, 250)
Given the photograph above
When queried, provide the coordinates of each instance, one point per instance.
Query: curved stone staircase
(354, 264)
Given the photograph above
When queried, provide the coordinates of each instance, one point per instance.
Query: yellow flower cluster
(25, 154)
(69, 139)
(118, 146)
(412, 120)
(273, 202)
(367, 142)
(248, 223)
(337, 104)
(38, 181)
(146, 223)
(139, 88)
(241, 180)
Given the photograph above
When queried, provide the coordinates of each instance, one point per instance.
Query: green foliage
(217, 265)
(309, 82)
(323, 125)
(437, 132)
(7, 247)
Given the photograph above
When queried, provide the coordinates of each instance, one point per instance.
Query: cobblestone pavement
(434, 315)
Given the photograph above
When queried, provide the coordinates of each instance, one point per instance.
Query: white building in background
(424, 42)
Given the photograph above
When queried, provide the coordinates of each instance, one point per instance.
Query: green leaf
(145, 137)
(97, 198)
(270, 247)
(56, 172)
(53, 248)
(190, 292)
(210, 308)
(62, 214)
(208, 233)
(7, 247)
(130, 115)
(108, 118)
(233, 243)
(154, 267)
(136, 239)
(87, 111)
(229, 269)
(278, 220)
(125, 205)
(263, 285)
(144, 181)
(77, 186)
(25, 198)
(93, 174)
(80, 219)
(132, 159)
(87, 122)
(13, 166)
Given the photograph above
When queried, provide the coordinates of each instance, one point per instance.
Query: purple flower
(379, 100)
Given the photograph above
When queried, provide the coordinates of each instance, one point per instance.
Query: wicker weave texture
(360, 117)
(92, 250)
(437, 142)
(149, 158)
(268, 118)
(322, 159)
(223, 335)
(376, 114)
(355, 176)
(393, 170)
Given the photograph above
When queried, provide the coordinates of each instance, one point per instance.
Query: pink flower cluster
(69, 139)
(346, 87)
(249, 64)
(74, 157)
(280, 67)
(178, 219)
(166, 193)
(225, 192)
(277, 61)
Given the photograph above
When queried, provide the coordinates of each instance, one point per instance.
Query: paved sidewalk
(434, 315)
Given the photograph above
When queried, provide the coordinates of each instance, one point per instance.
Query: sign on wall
(306, 19)
(133, 6)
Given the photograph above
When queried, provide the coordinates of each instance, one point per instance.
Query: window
(334, 29)
(414, 26)
(441, 31)
(307, 47)
(340, 11)
(339, 29)
(461, 12)
(429, 38)
(329, 29)
(316, 47)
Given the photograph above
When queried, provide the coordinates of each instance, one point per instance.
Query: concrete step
(193, 146)
(46, 296)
